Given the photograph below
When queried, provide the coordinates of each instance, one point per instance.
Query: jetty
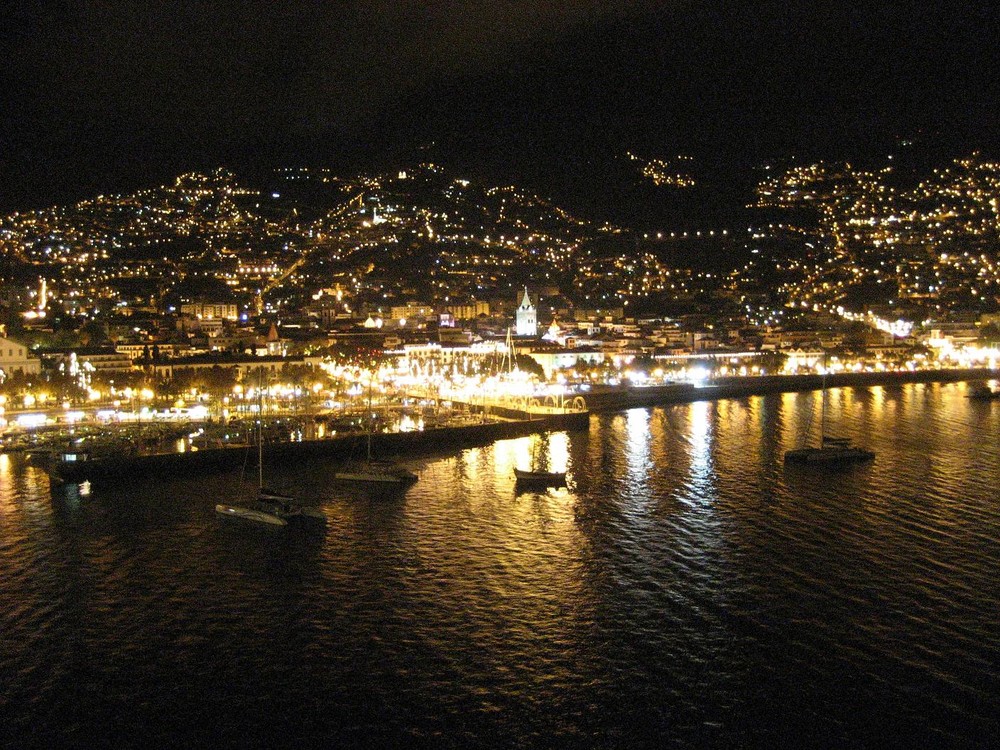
(109, 467)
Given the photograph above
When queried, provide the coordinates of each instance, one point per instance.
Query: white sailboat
(831, 450)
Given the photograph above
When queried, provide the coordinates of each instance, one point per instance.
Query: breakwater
(123, 467)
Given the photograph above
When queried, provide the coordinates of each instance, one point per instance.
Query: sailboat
(374, 471)
(269, 506)
(278, 503)
(831, 450)
(534, 477)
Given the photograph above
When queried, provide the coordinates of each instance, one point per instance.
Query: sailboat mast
(822, 410)
(260, 430)
(371, 426)
(509, 353)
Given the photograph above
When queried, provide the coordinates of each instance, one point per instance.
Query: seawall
(124, 468)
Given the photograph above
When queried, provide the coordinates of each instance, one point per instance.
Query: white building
(556, 358)
(14, 358)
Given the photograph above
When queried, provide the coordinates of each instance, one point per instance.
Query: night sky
(104, 96)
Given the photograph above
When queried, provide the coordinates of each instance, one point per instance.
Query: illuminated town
(422, 298)
(551, 374)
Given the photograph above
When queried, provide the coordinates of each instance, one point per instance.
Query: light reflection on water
(682, 585)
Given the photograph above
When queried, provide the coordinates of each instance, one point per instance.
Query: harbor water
(684, 589)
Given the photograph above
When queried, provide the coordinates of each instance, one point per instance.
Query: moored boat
(377, 472)
(284, 506)
(269, 505)
(829, 456)
(831, 451)
(983, 392)
(547, 478)
(247, 513)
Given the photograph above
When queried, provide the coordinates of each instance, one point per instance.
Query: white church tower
(527, 318)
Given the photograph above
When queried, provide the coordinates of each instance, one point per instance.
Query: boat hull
(377, 472)
(283, 506)
(374, 477)
(249, 514)
(829, 455)
(984, 394)
(541, 478)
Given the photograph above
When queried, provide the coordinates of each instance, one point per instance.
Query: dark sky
(101, 96)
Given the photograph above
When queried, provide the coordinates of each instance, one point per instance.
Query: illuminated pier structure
(119, 467)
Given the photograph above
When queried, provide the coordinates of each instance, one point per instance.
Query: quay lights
(698, 375)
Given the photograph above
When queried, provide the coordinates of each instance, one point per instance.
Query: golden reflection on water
(23, 487)
(558, 444)
(6, 484)
(508, 454)
(472, 460)
(520, 551)
(700, 424)
(638, 458)
(699, 487)
(542, 452)
(796, 426)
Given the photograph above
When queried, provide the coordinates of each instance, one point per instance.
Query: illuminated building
(14, 358)
(527, 318)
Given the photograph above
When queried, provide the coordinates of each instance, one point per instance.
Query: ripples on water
(685, 589)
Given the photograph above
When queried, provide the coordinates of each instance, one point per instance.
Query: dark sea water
(684, 590)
